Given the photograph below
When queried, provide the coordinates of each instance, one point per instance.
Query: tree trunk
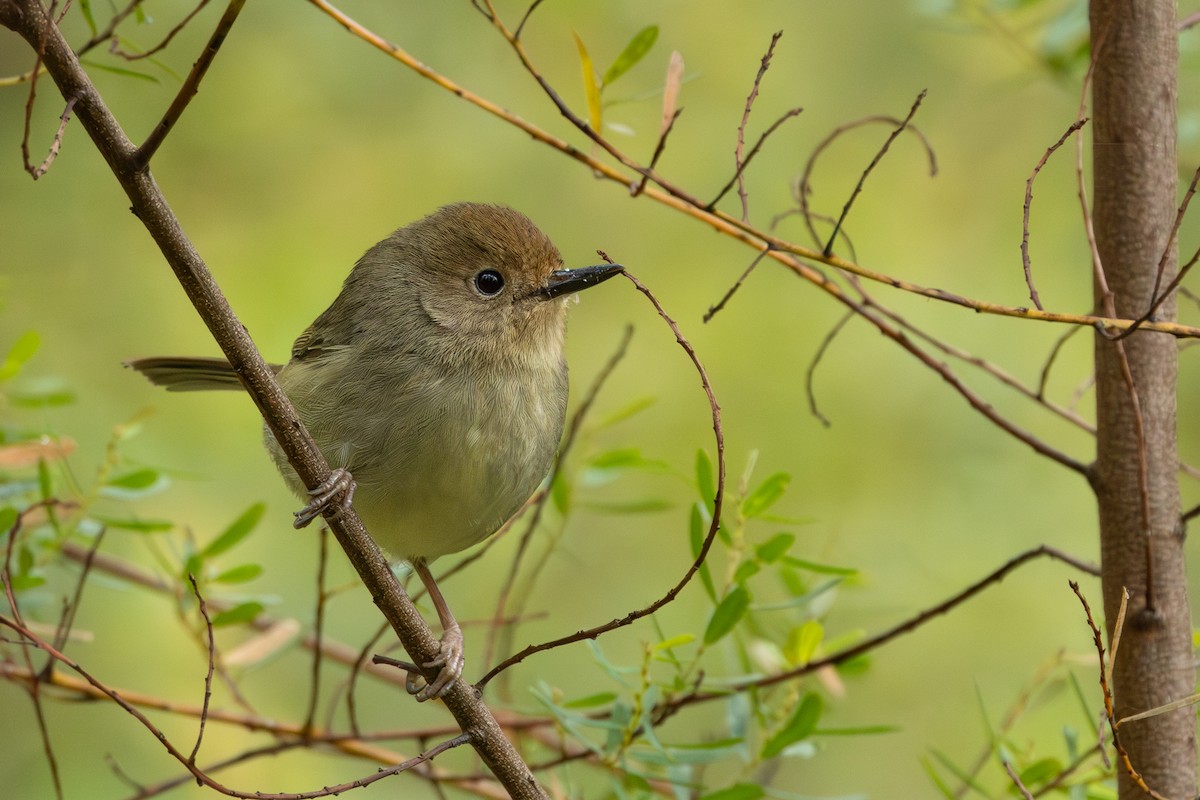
(1135, 474)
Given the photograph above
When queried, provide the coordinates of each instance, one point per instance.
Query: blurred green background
(305, 146)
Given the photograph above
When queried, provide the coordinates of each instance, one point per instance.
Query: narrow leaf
(244, 612)
(634, 52)
(705, 481)
(801, 725)
(622, 414)
(239, 529)
(240, 574)
(696, 533)
(671, 90)
(560, 493)
(727, 614)
(20, 352)
(803, 642)
(739, 791)
(591, 89)
(592, 700)
(138, 525)
(137, 480)
(774, 548)
(765, 496)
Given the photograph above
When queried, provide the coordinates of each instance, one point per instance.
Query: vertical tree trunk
(1134, 162)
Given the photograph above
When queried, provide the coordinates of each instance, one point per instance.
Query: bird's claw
(334, 494)
(450, 658)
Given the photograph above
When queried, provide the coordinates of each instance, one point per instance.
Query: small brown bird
(435, 385)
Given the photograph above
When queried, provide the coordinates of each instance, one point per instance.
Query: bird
(435, 385)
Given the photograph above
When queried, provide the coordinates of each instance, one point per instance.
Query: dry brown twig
(1105, 670)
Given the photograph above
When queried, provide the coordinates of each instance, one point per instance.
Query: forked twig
(1033, 295)
(1106, 684)
(828, 248)
(633, 616)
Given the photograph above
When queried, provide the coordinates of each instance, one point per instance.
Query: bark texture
(1135, 474)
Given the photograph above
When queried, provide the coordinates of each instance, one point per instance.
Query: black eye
(489, 282)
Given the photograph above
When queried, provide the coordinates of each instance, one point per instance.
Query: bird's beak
(566, 281)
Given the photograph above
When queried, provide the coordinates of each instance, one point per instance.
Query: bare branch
(1033, 295)
(862, 178)
(191, 85)
(633, 616)
(715, 309)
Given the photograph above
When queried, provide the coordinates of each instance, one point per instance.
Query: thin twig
(919, 619)
(874, 161)
(713, 310)
(1156, 300)
(568, 442)
(826, 340)
(633, 616)
(738, 162)
(191, 85)
(1106, 690)
(208, 676)
(1016, 779)
(1033, 295)
(314, 688)
(640, 186)
(676, 198)
(742, 165)
(115, 46)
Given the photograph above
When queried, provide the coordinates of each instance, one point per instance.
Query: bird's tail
(184, 374)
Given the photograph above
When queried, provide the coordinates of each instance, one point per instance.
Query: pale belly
(438, 473)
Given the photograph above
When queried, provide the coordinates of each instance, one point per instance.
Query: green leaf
(591, 89)
(128, 73)
(240, 574)
(765, 496)
(739, 791)
(803, 642)
(696, 531)
(941, 785)
(85, 7)
(675, 641)
(239, 529)
(615, 459)
(745, 571)
(21, 351)
(45, 480)
(774, 548)
(622, 414)
(244, 612)
(560, 493)
(21, 583)
(592, 700)
(41, 392)
(799, 727)
(727, 614)
(8, 518)
(820, 569)
(1041, 771)
(858, 730)
(705, 481)
(137, 480)
(647, 506)
(138, 525)
(634, 52)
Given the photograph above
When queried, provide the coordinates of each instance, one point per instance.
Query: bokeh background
(305, 146)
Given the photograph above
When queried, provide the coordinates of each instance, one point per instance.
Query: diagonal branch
(30, 20)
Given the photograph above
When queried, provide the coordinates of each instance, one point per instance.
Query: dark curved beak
(566, 281)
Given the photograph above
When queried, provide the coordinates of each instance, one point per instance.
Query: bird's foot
(450, 658)
(334, 493)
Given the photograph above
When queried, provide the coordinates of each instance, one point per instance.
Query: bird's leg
(335, 492)
(450, 659)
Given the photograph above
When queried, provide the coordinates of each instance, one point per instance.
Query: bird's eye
(489, 282)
